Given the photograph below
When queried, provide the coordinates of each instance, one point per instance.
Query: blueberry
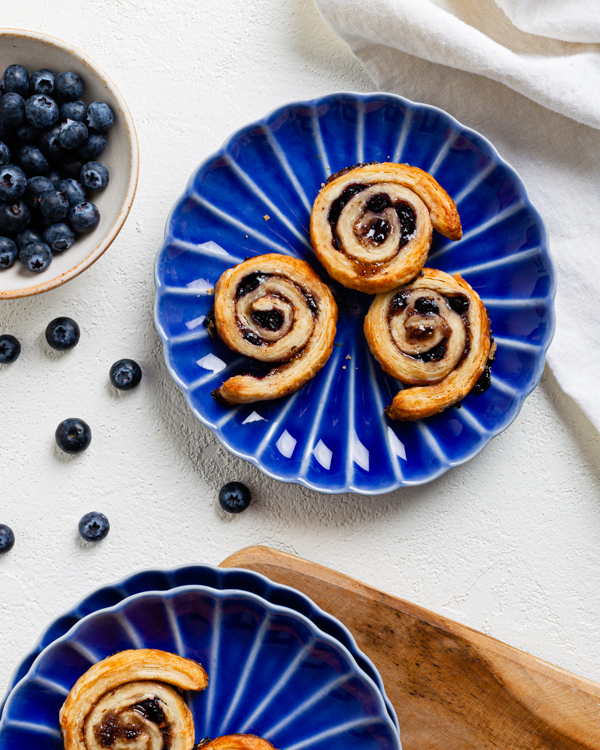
(50, 145)
(54, 206)
(94, 176)
(125, 374)
(234, 497)
(35, 188)
(100, 116)
(7, 538)
(16, 78)
(92, 147)
(12, 182)
(12, 110)
(72, 134)
(84, 217)
(73, 435)
(54, 177)
(8, 252)
(36, 256)
(26, 132)
(14, 217)
(24, 238)
(62, 333)
(33, 161)
(60, 237)
(10, 348)
(4, 154)
(73, 190)
(73, 111)
(42, 82)
(41, 110)
(71, 170)
(69, 86)
(94, 526)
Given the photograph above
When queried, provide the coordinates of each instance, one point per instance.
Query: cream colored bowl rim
(133, 176)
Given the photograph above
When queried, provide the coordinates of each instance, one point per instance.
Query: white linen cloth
(456, 55)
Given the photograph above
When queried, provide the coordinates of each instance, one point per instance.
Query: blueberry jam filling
(271, 320)
(338, 206)
(310, 301)
(485, 379)
(378, 203)
(152, 710)
(459, 303)
(399, 302)
(433, 355)
(113, 729)
(426, 306)
(407, 221)
(377, 232)
(250, 282)
(253, 338)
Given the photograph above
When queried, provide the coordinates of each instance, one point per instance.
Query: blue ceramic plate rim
(519, 396)
(322, 620)
(220, 595)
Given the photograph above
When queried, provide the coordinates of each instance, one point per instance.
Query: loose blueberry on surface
(73, 111)
(14, 217)
(94, 526)
(73, 435)
(60, 237)
(27, 236)
(69, 85)
(32, 161)
(42, 82)
(35, 188)
(16, 78)
(62, 334)
(94, 176)
(12, 110)
(234, 497)
(91, 148)
(13, 182)
(41, 111)
(36, 256)
(4, 154)
(72, 134)
(10, 348)
(100, 116)
(54, 206)
(84, 217)
(50, 145)
(73, 190)
(8, 252)
(7, 538)
(125, 374)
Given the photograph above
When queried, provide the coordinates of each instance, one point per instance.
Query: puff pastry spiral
(238, 742)
(274, 309)
(371, 225)
(432, 334)
(127, 701)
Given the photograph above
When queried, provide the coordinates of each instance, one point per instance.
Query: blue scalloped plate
(216, 578)
(271, 673)
(333, 435)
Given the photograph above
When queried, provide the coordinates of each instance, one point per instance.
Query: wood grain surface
(453, 687)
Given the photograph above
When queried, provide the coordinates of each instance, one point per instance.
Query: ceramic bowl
(34, 50)
(271, 672)
(333, 435)
(216, 578)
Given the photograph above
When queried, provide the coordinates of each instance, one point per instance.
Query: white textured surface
(508, 543)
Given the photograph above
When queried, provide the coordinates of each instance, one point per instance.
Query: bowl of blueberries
(68, 162)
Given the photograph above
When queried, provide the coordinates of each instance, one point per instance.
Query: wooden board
(453, 688)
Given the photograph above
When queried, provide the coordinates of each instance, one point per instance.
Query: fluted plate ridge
(201, 575)
(254, 196)
(271, 672)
